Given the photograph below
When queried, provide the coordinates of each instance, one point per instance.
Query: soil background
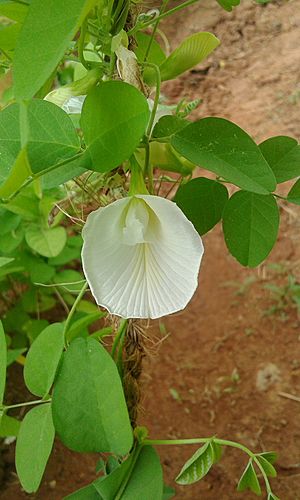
(231, 354)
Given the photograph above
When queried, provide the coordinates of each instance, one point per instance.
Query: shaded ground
(228, 356)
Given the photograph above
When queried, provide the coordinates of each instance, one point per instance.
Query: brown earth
(232, 352)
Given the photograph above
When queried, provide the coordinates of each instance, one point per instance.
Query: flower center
(136, 223)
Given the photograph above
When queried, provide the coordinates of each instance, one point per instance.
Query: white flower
(141, 257)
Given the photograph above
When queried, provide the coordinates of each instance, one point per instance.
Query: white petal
(74, 104)
(141, 257)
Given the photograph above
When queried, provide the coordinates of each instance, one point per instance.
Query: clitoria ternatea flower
(141, 257)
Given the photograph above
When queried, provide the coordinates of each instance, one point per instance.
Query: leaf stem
(73, 309)
(27, 403)
(157, 21)
(33, 177)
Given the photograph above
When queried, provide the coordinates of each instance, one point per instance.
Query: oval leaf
(114, 119)
(46, 242)
(51, 135)
(89, 409)
(9, 426)
(45, 35)
(36, 433)
(250, 225)
(283, 155)
(2, 362)
(33, 137)
(224, 148)
(43, 358)
(294, 193)
(198, 465)
(249, 480)
(202, 201)
(190, 52)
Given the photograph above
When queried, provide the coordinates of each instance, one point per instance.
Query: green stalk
(73, 309)
(118, 337)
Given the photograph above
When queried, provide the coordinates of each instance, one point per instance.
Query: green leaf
(46, 242)
(155, 55)
(67, 172)
(250, 225)
(45, 35)
(267, 466)
(270, 456)
(2, 363)
(10, 242)
(294, 193)
(36, 433)
(9, 426)
(8, 37)
(140, 476)
(43, 358)
(12, 355)
(198, 465)
(168, 492)
(109, 486)
(82, 323)
(12, 10)
(146, 480)
(9, 221)
(202, 201)
(114, 119)
(228, 4)
(40, 272)
(5, 260)
(283, 155)
(168, 125)
(49, 137)
(224, 148)
(89, 409)
(87, 493)
(190, 52)
(249, 480)
(19, 172)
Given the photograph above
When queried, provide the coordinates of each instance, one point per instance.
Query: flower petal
(141, 257)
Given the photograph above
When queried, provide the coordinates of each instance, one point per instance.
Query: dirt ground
(233, 352)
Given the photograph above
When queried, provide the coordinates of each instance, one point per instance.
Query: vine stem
(156, 98)
(162, 16)
(222, 442)
(73, 308)
(155, 28)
